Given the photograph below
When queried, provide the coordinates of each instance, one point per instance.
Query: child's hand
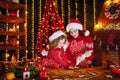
(88, 53)
(65, 45)
(44, 52)
(73, 67)
(83, 56)
(79, 59)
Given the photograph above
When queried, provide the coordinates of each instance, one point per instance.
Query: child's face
(61, 43)
(74, 32)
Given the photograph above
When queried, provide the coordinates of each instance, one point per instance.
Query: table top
(94, 73)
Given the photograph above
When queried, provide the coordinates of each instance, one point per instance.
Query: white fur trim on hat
(56, 35)
(74, 25)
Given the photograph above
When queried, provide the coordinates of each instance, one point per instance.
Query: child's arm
(65, 45)
(83, 56)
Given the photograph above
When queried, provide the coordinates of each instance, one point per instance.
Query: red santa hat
(55, 35)
(76, 25)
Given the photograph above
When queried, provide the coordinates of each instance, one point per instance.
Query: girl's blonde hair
(55, 42)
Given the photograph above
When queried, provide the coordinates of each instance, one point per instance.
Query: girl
(79, 51)
(56, 55)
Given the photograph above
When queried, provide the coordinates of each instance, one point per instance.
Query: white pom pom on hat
(76, 24)
(86, 33)
(55, 35)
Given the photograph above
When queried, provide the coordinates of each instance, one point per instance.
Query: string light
(6, 51)
(18, 37)
(76, 11)
(40, 2)
(62, 10)
(25, 25)
(32, 28)
(85, 14)
(68, 10)
(94, 9)
(55, 5)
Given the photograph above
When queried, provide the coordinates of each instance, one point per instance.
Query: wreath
(112, 11)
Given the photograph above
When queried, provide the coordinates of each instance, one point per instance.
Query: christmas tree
(50, 23)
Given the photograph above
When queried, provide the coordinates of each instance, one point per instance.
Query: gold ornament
(10, 76)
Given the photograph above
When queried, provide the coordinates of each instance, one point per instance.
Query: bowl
(115, 69)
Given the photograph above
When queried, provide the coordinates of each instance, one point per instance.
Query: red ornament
(60, 21)
(13, 13)
(115, 70)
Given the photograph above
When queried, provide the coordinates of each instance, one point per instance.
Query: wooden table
(95, 73)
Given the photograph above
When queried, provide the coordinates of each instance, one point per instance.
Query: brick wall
(100, 47)
(113, 56)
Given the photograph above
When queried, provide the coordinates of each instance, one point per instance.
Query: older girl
(80, 50)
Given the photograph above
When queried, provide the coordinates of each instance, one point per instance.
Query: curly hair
(55, 42)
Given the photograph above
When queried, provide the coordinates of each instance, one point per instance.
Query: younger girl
(56, 55)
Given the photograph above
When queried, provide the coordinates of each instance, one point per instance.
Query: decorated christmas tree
(50, 23)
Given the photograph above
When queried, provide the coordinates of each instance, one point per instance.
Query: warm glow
(116, 1)
(97, 27)
(6, 55)
(17, 42)
(100, 25)
(17, 26)
(26, 51)
(111, 1)
(25, 24)
(26, 12)
(107, 2)
(10, 76)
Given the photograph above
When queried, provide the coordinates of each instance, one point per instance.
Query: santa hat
(56, 35)
(76, 25)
